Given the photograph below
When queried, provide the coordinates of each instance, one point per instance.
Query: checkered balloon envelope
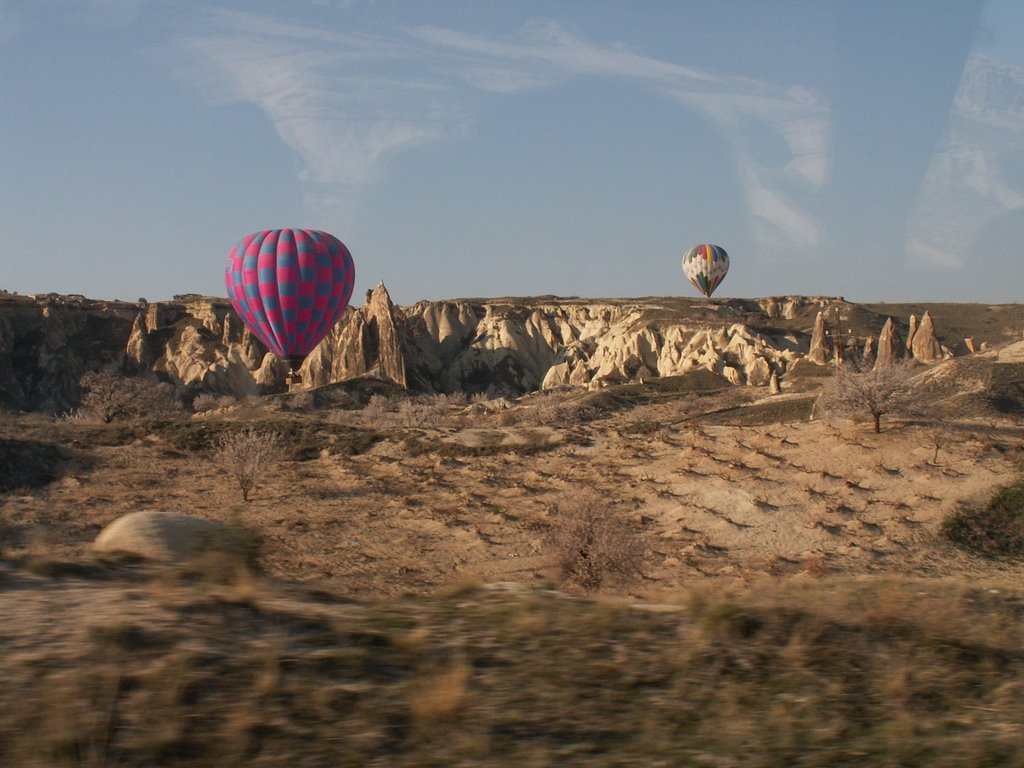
(290, 286)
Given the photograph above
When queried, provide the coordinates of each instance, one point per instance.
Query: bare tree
(246, 455)
(593, 544)
(109, 397)
(876, 391)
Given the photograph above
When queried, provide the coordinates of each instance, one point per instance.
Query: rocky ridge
(499, 346)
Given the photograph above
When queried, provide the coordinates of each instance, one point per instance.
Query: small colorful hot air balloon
(290, 286)
(706, 266)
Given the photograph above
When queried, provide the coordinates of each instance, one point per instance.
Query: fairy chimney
(890, 346)
(818, 352)
(911, 332)
(925, 346)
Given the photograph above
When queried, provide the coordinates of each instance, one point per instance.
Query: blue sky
(872, 149)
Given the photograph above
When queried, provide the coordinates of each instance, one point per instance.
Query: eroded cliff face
(498, 346)
(47, 342)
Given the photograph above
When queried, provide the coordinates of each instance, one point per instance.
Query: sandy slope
(721, 501)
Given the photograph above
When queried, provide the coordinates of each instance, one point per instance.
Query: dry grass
(811, 638)
(847, 672)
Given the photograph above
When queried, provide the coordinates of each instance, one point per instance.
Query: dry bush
(207, 401)
(108, 397)
(997, 529)
(853, 391)
(28, 464)
(557, 407)
(247, 454)
(592, 544)
(409, 412)
(375, 410)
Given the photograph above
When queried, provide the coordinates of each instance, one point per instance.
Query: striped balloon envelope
(706, 266)
(290, 286)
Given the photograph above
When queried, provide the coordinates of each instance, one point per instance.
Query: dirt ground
(424, 507)
(799, 604)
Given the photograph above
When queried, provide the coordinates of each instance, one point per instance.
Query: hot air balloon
(706, 265)
(290, 286)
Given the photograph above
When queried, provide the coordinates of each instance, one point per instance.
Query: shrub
(109, 397)
(592, 544)
(995, 530)
(207, 401)
(28, 464)
(875, 391)
(246, 455)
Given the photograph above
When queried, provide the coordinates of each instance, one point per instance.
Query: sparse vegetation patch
(593, 543)
(994, 530)
(27, 463)
(247, 454)
(108, 397)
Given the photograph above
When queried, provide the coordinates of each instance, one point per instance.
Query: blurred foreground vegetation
(818, 672)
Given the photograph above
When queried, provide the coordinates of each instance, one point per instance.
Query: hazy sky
(866, 148)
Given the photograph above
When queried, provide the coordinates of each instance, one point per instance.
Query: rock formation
(368, 341)
(819, 352)
(911, 332)
(163, 536)
(503, 347)
(925, 346)
(890, 345)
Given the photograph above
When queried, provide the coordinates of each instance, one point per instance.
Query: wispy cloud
(546, 43)
(328, 95)
(544, 54)
(968, 184)
(345, 102)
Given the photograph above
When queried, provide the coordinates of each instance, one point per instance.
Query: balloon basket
(293, 381)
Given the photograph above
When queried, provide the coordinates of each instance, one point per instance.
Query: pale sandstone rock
(926, 347)
(557, 376)
(580, 375)
(732, 375)
(819, 352)
(890, 345)
(607, 375)
(162, 536)
(759, 372)
(870, 350)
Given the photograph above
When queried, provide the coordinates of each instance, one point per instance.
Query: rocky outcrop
(890, 345)
(819, 352)
(368, 341)
(503, 347)
(911, 333)
(925, 346)
(200, 346)
(164, 536)
(48, 341)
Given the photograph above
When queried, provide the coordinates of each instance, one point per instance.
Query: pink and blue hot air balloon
(290, 286)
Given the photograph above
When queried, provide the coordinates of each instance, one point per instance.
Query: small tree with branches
(879, 391)
(109, 397)
(247, 454)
